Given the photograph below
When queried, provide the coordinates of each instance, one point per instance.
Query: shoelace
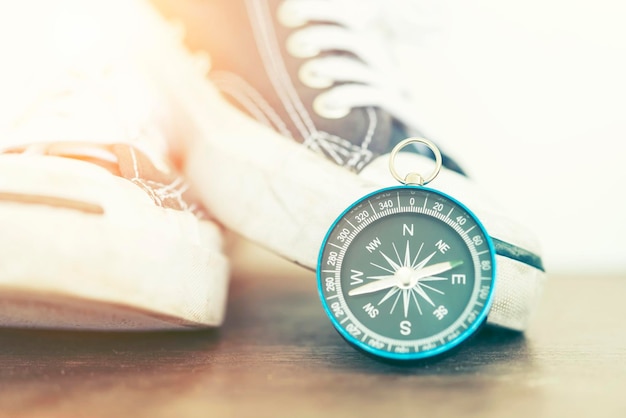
(363, 74)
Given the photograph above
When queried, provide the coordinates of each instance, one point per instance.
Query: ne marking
(450, 213)
(332, 297)
(483, 252)
(335, 245)
(329, 271)
(344, 320)
(467, 232)
(372, 206)
(350, 223)
(425, 201)
(399, 205)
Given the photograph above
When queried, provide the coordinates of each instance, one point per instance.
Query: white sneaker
(97, 229)
(307, 111)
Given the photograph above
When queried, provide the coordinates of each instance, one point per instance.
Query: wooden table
(278, 356)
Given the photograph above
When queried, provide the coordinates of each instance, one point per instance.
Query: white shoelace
(366, 76)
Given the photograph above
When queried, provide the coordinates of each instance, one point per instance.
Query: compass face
(406, 273)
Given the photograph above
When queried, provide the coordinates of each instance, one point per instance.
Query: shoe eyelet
(323, 108)
(310, 77)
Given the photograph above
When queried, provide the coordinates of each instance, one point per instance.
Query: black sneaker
(297, 76)
(307, 71)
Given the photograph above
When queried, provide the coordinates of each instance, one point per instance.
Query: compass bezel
(385, 353)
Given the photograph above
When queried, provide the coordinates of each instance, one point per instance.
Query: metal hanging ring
(415, 178)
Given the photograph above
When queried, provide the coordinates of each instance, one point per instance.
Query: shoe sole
(83, 249)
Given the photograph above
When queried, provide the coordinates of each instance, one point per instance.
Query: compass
(407, 272)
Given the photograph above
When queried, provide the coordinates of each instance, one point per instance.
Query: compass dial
(406, 273)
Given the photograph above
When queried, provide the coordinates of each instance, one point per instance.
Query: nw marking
(371, 247)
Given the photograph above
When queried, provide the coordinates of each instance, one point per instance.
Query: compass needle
(436, 269)
(386, 276)
(374, 286)
(434, 279)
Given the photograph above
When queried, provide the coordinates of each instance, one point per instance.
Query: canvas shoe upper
(315, 71)
(98, 229)
(303, 109)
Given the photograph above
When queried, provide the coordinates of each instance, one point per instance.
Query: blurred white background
(532, 96)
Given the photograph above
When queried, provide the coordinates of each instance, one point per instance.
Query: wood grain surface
(278, 356)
